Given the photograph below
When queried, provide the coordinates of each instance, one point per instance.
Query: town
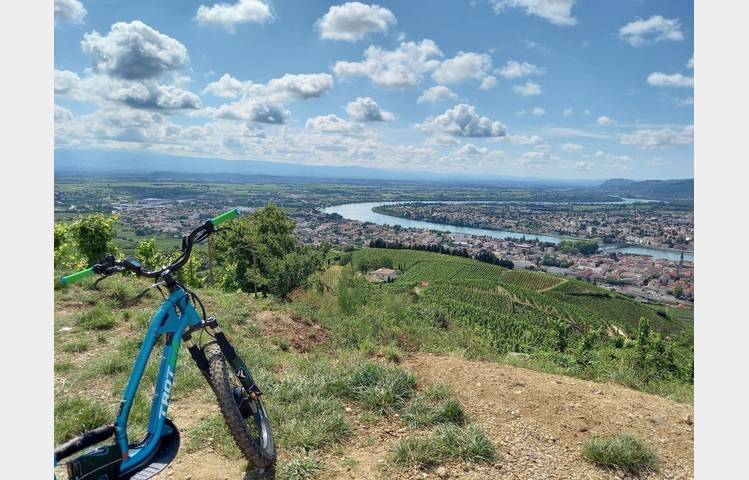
(168, 212)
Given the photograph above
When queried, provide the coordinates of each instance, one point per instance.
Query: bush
(94, 234)
(622, 451)
(261, 253)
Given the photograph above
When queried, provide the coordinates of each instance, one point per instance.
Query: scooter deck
(163, 456)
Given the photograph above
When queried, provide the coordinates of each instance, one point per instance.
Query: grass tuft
(447, 443)
(77, 415)
(380, 388)
(76, 346)
(392, 353)
(622, 451)
(300, 468)
(97, 318)
(437, 405)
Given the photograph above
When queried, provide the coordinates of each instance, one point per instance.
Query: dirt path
(537, 421)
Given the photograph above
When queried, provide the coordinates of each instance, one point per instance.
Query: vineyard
(516, 306)
(531, 280)
(451, 303)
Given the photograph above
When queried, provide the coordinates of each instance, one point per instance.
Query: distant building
(384, 275)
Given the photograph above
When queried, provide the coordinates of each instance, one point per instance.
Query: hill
(650, 189)
(305, 354)
(98, 162)
(570, 301)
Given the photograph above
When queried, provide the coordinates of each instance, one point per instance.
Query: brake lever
(96, 283)
(147, 289)
(106, 272)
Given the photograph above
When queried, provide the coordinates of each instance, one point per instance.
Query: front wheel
(245, 417)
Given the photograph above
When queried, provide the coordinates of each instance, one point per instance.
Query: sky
(558, 89)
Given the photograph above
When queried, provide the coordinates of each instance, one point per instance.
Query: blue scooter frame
(235, 389)
(172, 318)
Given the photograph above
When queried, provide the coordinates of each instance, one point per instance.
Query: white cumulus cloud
(527, 89)
(134, 51)
(604, 120)
(403, 67)
(286, 88)
(354, 21)
(437, 94)
(65, 81)
(558, 12)
(659, 138)
(364, 109)
(228, 15)
(513, 69)
(674, 80)
(69, 12)
(332, 124)
(653, 30)
(463, 67)
(253, 110)
(538, 111)
(471, 149)
(463, 121)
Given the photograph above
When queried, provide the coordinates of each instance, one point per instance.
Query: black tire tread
(230, 411)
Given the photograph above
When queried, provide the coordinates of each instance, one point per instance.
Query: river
(363, 213)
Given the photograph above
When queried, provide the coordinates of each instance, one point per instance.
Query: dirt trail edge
(539, 421)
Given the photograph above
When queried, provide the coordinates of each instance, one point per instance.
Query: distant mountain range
(655, 189)
(80, 163)
(97, 162)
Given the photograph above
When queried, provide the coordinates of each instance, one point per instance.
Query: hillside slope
(537, 421)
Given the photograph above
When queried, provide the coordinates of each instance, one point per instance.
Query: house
(383, 275)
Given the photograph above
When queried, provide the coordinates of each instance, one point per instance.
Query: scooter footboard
(83, 441)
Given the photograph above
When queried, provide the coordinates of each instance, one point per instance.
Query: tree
(582, 247)
(93, 235)
(262, 253)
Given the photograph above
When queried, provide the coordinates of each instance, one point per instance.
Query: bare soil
(301, 334)
(538, 423)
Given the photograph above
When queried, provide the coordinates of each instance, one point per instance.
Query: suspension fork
(234, 360)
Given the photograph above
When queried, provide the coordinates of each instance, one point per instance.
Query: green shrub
(622, 451)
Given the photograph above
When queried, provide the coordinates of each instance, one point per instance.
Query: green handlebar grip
(74, 277)
(224, 217)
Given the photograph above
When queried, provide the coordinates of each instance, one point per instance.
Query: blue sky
(543, 88)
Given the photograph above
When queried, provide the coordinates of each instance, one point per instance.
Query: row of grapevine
(432, 271)
(531, 280)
